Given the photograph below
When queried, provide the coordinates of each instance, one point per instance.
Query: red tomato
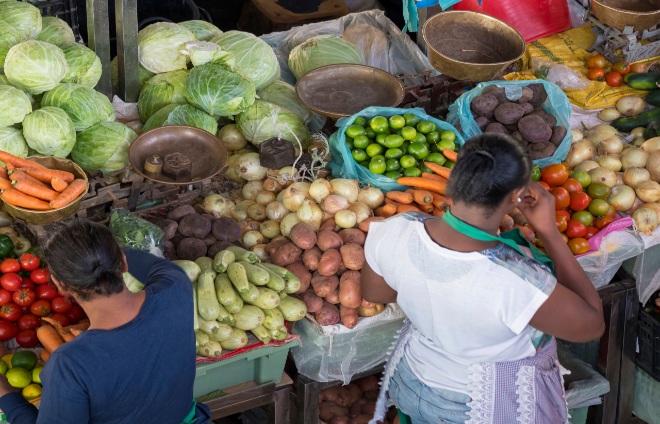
(40, 275)
(584, 217)
(11, 281)
(579, 201)
(61, 304)
(7, 330)
(613, 79)
(572, 185)
(561, 222)
(563, 213)
(597, 60)
(5, 296)
(75, 314)
(29, 262)
(544, 185)
(578, 245)
(10, 312)
(28, 322)
(603, 222)
(27, 338)
(621, 67)
(10, 265)
(26, 283)
(40, 308)
(562, 197)
(596, 74)
(46, 291)
(591, 231)
(61, 318)
(24, 297)
(555, 175)
(575, 229)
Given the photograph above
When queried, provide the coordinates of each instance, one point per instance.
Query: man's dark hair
(85, 257)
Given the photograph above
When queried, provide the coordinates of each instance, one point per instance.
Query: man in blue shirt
(136, 363)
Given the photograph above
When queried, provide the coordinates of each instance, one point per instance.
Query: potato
(371, 394)
(527, 95)
(361, 419)
(356, 407)
(168, 226)
(333, 297)
(328, 240)
(177, 213)
(329, 395)
(541, 150)
(275, 244)
(518, 136)
(356, 393)
(328, 410)
(484, 105)
(330, 262)
(286, 254)
(194, 225)
(534, 129)
(209, 240)
(349, 289)
(191, 249)
(324, 285)
(498, 92)
(217, 247)
(369, 408)
(352, 255)
(482, 122)
(497, 128)
(169, 250)
(369, 312)
(300, 271)
(348, 316)
(303, 235)
(352, 235)
(312, 301)
(344, 397)
(549, 119)
(527, 108)
(368, 383)
(329, 315)
(511, 128)
(177, 238)
(311, 258)
(509, 113)
(364, 225)
(558, 134)
(340, 419)
(540, 95)
(329, 225)
(225, 228)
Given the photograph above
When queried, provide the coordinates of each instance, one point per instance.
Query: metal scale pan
(619, 14)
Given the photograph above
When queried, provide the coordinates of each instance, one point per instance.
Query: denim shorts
(424, 404)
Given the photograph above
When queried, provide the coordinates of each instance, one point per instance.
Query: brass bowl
(345, 89)
(640, 14)
(47, 217)
(205, 150)
(471, 46)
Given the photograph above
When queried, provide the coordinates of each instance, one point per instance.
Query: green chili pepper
(6, 246)
(536, 173)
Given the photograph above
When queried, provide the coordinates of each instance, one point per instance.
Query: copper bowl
(639, 14)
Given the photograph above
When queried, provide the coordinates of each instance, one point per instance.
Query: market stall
(257, 164)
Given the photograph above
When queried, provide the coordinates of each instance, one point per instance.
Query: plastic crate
(648, 337)
(264, 365)
(63, 9)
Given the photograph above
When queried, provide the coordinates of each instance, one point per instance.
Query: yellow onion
(371, 196)
(610, 162)
(260, 251)
(345, 187)
(265, 197)
(252, 238)
(635, 176)
(361, 211)
(648, 191)
(646, 220)
(310, 213)
(346, 219)
(586, 166)
(653, 165)
(609, 114)
(634, 157)
(603, 175)
(319, 189)
(294, 195)
(270, 229)
(287, 223)
(621, 198)
(239, 212)
(250, 190)
(334, 203)
(275, 211)
(580, 152)
(651, 145)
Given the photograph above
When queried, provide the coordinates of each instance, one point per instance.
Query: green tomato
(392, 165)
(446, 144)
(425, 127)
(360, 121)
(583, 177)
(395, 175)
(419, 138)
(449, 164)
(374, 149)
(407, 161)
(536, 173)
(393, 141)
(379, 124)
(412, 172)
(433, 137)
(448, 136)
(437, 158)
(355, 130)
(411, 120)
(370, 133)
(359, 155)
(584, 217)
(418, 150)
(377, 166)
(408, 133)
(393, 153)
(361, 142)
(397, 122)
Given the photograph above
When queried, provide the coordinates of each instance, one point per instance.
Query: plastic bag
(584, 384)
(342, 164)
(136, 233)
(647, 266)
(645, 399)
(557, 104)
(565, 77)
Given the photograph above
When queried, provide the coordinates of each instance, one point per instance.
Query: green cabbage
(49, 131)
(35, 66)
(264, 120)
(182, 115)
(283, 94)
(252, 56)
(12, 141)
(22, 16)
(201, 52)
(9, 38)
(15, 104)
(322, 50)
(162, 90)
(160, 45)
(219, 90)
(83, 105)
(143, 74)
(103, 147)
(106, 111)
(55, 31)
(4, 80)
(203, 30)
(85, 65)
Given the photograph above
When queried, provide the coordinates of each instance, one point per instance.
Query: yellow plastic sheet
(570, 48)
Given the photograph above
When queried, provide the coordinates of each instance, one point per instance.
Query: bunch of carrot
(52, 335)
(28, 184)
(428, 194)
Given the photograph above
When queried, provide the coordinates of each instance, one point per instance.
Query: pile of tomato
(599, 70)
(27, 295)
(581, 206)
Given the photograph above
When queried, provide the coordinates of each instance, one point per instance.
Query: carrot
(3, 171)
(82, 325)
(34, 190)
(507, 223)
(407, 208)
(16, 198)
(58, 184)
(385, 211)
(68, 337)
(400, 196)
(44, 355)
(46, 175)
(5, 184)
(410, 190)
(20, 175)
(18, 162)
(526, 231)
(57, 326)
(365, 224)
(421, 182)
(440, 201)
(450, 154)
(426, 208)
(76, 332)
(390, 202)
(435, 177)
(10, 168)
(49, 338)
(518, 217)
(75, 189)
(438, 212)
(438, 169)
(423, 197)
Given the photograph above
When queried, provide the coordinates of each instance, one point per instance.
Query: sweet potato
(333, 297)
(340, 419)
(275, 244)
(549, 119)
(286, 254)
(194, 225)
(191, 249)
(329, 263)
(217, 247)
(225, 228)
(356, 393)
(329, 410)
(328, 315)
(540, 95)
(482, 122)
(348, 316)
(168, 226)
(527, 108)
(301, 272)
(324, 285)
(509, 113)
(364, 225)
(352, 255)
(541, 150)
(311, 258)
(371, 394)
(352, 235)
(356, 407)
(558, 134)
(349, 289)
(328, 240)
(497, 128)
(484, 105)
(179, 212)
(329, 395)
(369, 408)
(312, 301)
(368, 383)
(527, 95)
(344, 397)
(177, 238)
(303, 235)
(498, 92)
(534, 129)
(209, 240)
(361, 419)
(328, 225)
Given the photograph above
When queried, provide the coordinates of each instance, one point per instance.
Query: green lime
(377, 166)
(380, 138)
(419, 138)
(36, 374)
(7, 359)
(407, 161)
(448, 136)
(350, 144)
(397, 132)
(24, 359)
(364, 164)
(395, 175)
(355, 130)
(31, 391)
(19, 377)
(361, 142)
(379, 124)
(425, 127)
(369, 132)
(437, 158)
(404, 147)
(412, 172)
(433, 148)
(378, 157)
(360, 121)
(411, 120)
(408, 133)
(424, 168)
(446, 144)
(393, 141)
(449, 164)
(418, 150)
(3, 367)
(359, 155)
(433, 137)
(397, 122)
(392, 165)
(393, 153)
(374, 149)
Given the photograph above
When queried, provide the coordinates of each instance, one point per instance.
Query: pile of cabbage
(49, 105)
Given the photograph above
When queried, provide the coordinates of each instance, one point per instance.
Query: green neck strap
(514, 239)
